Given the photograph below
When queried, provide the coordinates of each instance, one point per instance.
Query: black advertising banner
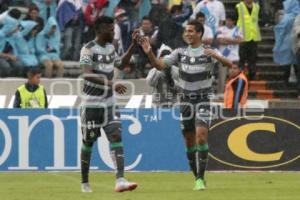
(268, 140)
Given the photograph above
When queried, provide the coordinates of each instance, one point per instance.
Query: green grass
(156, 186)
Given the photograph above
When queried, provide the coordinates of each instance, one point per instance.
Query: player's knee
(201, 135)
(115, 138)
(113, 132)
(189, 138)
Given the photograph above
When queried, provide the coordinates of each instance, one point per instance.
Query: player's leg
(188, 130)
(202, 124)
(90, 131)
(113, 131)
(189, 137)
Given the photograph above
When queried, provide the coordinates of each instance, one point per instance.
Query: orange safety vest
(229, 92)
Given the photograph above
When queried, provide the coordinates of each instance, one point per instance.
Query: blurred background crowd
(46, 33)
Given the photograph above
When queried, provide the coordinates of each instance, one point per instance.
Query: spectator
(48, 48)
(208, 35)
(169, 32)
(47, 8)
(236, 90)
(33, 14)
(123, 30)
(14, 13)
(9, 63)
(181, 12)
(71, 22)
(93, 10)
(132, 9)
(214, 12)
(146, 30)
(31, 94)
(4, 5)
(25, 45)
(164, 82)
(229, 38)
(248, 17)
(157, 13)
(296, 48)
(282, 52)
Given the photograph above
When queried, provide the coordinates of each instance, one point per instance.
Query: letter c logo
(237, 142)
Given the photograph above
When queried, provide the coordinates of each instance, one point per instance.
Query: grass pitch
(156, 186)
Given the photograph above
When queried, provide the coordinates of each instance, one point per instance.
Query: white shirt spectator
(208, 33)
(214, 11)
(230, 51)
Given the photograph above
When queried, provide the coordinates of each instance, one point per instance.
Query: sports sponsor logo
(247, 143)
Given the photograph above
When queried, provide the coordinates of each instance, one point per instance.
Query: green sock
(201, 160)
(117, 154)
(86, 153)
(191, 155)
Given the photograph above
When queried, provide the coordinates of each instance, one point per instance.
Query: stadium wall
(49, 140)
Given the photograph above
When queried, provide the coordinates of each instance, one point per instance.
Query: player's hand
(210, 52)
(135, 36)
(145, 44)
(120, 88)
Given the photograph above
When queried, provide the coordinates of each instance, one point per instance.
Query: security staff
(31, 94)
(236, 89)
(248, 14)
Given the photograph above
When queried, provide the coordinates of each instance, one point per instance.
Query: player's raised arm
(155, 62)
(218, 57)
(126, 57)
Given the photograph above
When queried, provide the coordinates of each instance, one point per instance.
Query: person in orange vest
(236, 89)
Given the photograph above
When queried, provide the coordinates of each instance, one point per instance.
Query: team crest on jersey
(183, 58)
(192, 59)
(100, 58)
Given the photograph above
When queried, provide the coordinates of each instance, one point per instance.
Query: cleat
(199, 185)
(86, 188)
(122, 185)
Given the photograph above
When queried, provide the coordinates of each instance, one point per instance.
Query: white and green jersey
(195, 69)
(102, 60)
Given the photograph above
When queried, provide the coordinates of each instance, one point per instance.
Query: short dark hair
(33, 71)
(238, 63)
(175, 8)
(231, 16)
(103, 20)
(198, 26)
(15, 13)
(147, 18)
(200, 14)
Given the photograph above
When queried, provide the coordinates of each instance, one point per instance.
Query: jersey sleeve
(86, 57)
(172, 59)
(219, 53)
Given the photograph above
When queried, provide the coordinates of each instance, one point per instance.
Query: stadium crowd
(52, 31)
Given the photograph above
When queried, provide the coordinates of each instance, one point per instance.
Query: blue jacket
(26, 48)
(282, 51)
(43, 9)
(44, 41)
(6, 36)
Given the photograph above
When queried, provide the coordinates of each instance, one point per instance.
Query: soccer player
(195, 65)
(98, 59)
